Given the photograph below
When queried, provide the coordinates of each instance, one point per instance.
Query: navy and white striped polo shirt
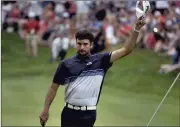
(83, 78)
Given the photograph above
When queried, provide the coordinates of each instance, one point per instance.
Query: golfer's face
(83, 46)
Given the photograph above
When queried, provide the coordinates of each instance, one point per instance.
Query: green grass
(132, 90)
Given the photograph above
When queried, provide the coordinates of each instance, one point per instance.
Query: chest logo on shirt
(89, 63)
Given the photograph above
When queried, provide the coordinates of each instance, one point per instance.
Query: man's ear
(92, 45)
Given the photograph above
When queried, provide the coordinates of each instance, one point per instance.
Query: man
(60, 44)
(175, 66)
(83, 75)
(99, 42)
(31, 29)
(59, 47)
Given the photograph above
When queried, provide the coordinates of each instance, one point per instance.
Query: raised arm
(130, 43)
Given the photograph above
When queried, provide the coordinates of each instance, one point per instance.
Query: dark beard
(83, 56)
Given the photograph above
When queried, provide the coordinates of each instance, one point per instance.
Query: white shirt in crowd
(82, 7)
(35, 7)
(59, 44)
(162, 4)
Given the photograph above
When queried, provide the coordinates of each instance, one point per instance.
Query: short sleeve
(105, 60)
(59, 76)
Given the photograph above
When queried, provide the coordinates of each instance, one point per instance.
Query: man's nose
(82, 47)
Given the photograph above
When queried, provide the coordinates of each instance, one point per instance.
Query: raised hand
(140, 23)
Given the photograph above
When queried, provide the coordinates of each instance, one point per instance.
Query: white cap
(169, 23)
(65, 14)
(31, 14)
(157, 13)
(177, 10)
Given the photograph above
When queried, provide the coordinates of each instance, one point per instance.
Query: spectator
(175, 66)
(35, 7)
(11, 24)
(59, 47)
(99, 42)
(31, 41)
(111, 38)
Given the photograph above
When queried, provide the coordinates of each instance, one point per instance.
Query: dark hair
(84, 34)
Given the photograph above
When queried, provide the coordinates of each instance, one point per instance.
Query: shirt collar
(80, 58)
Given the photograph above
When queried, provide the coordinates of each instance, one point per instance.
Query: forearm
(49, 98)
(127, 48)
(131, 42)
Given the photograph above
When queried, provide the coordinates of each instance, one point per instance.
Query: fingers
(142, 20)
(140, 23)
(43, 119)
(141, 17)
(43, 124)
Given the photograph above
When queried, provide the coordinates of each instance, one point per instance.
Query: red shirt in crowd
(32, 24)
(15, 13)
(151, 41)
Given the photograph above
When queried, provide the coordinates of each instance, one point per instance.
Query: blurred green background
(132, 90)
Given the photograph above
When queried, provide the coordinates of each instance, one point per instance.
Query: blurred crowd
(54, 23)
